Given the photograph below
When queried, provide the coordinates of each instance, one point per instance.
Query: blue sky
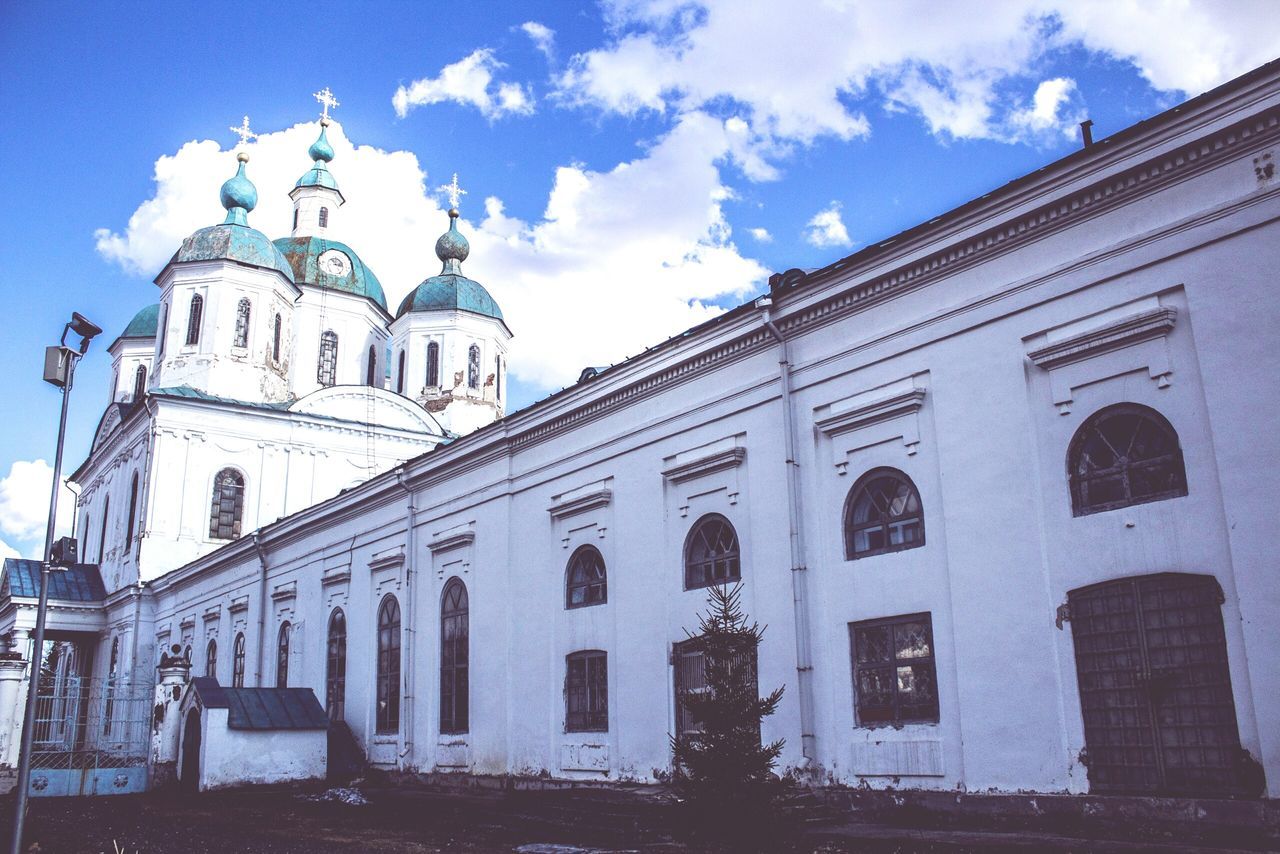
(632, 167)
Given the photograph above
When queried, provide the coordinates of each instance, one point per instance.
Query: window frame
(433, 364)
(275, 338)
(455, 659)
(243, 312)
(895, 662)
(102, 534)
(586, 691)
(139, 383)
(473, 367)
(1078, 484)
(885, 522)
(371, 373)
(400, 373)
(211, 658)
(327, 363)
(133, 511)
(571, 583)
(283, 637)
(323, 217)
(195, 319)
(237, 661)
(708, 567)
(387, 695)
(237, 505)
(335, 674)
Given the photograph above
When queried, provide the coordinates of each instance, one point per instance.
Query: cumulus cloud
(617, 260)
(966, 73)
(7, 551)
(761, 235)
(542, 36)
(1051, 112)
(24, 504)
(469, 81)
(826, 228)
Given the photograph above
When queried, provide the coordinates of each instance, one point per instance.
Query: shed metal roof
(79, 583)
(263, 708)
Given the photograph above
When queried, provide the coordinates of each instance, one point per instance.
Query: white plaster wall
(235, 757)
(127, 355)
(358, 324)
(307, 202)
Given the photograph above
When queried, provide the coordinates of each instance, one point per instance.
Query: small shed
(246, 736)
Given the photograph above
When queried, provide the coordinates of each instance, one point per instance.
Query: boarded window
(586, 691)
(227, 509)
(454, 658)
(1123, 455)
(882, 514)
(711, 553)
(242, 324)
(894, 678)
(585, 580)
(326, 372)
(388, 711)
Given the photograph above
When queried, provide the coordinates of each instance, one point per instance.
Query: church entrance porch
(1155, 689)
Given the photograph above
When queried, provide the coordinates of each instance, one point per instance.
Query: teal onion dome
(452, 248)
(321, 149)
(239, 196)
(320, 152)
(451, 291)
(144, 323)
(332, 265)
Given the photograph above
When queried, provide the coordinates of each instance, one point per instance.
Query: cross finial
(243, 131)
(454, 191)
(327, 101)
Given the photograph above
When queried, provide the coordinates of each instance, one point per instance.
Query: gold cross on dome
(243, 131)
(326, 99)
(455, 192)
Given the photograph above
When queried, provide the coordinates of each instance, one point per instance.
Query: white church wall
(356, 322)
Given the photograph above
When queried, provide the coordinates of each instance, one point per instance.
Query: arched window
(139, 383)
(282, 656)
(111, 685)
(335, 678)
(400, 374)
(186, 653)
(711, 553)
(324, 217)
(433, 363)
(133, 510)
(1122, 455)
(388, 711)
(473, 366)
(454, 657)
(193, 320)
(371, 375)
(882, 514)
(295, 219)
(497, 377)
(242, 323)
(585, 580)
(102, 535)
(162, 331)
(211, 659)
(275, 339)
(227, 508)
(328, 368)
(237, 662)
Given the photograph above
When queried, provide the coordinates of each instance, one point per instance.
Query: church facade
(998, 486)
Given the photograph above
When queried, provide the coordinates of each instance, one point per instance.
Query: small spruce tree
(722, 768)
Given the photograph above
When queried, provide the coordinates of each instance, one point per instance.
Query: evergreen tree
(722, 768)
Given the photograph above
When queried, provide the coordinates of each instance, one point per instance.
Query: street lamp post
(59, 370)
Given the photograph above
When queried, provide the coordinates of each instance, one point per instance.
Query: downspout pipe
(409, 648)
(799, 571)
(262, 609)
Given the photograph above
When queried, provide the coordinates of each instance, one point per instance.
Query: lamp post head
(85, 328)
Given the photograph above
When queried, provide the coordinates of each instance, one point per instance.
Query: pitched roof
(262, 708)
(79, 583)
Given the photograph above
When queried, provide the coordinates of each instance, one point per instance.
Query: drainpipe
(799, 572)
(410, 626)
(262, 608)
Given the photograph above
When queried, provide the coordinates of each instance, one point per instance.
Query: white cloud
(965, 72)
(542, 36)
(762, 235)
(826, 228)
(7, 551)
(1051, 112)
(618, 260)
(469, 81)
(24, 504)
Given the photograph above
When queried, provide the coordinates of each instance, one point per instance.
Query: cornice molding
(212, 613)
(239, 604)
(895, 406)
(390, 561)
(581, 504)
(1125, 332)
(288, 590)
(719, 461)
(340, 576)
(452, 541)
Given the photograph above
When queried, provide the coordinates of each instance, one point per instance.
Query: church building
(997, 485)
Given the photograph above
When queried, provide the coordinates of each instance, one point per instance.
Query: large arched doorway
(191, 753)
(1155, 688)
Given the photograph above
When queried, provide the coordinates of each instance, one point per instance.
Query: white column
(11, 673)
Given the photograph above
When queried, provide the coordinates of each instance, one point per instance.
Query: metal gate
(1155, 690)
(91, 737)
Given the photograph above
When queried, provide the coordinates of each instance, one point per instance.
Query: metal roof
(79, 583)
(303, 255)
(262, 708)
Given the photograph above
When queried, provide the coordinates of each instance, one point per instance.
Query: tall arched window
(102, 535)
(282, 656)
(388, 711)
(324, 217)
(327, 370)
(882, 514)
(585, 579)
(1122, 455)
(711, 554)
(133, 511)
(227, 508)
(139, 383)
(112, 671)
(275, 339)
(433, 363)
(335, 678)
(497, 377)
(211, 659)
(237, 662)
(454, 658)
(242, 323)
(193, 320)
(295, 219)
(162, 331)
(400, 374)
(473, 366)
(371, 375)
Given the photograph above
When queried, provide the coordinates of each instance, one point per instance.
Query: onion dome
(238, 195)
(330, 264)
(320, 152)
(451, 291)
(144, 323)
